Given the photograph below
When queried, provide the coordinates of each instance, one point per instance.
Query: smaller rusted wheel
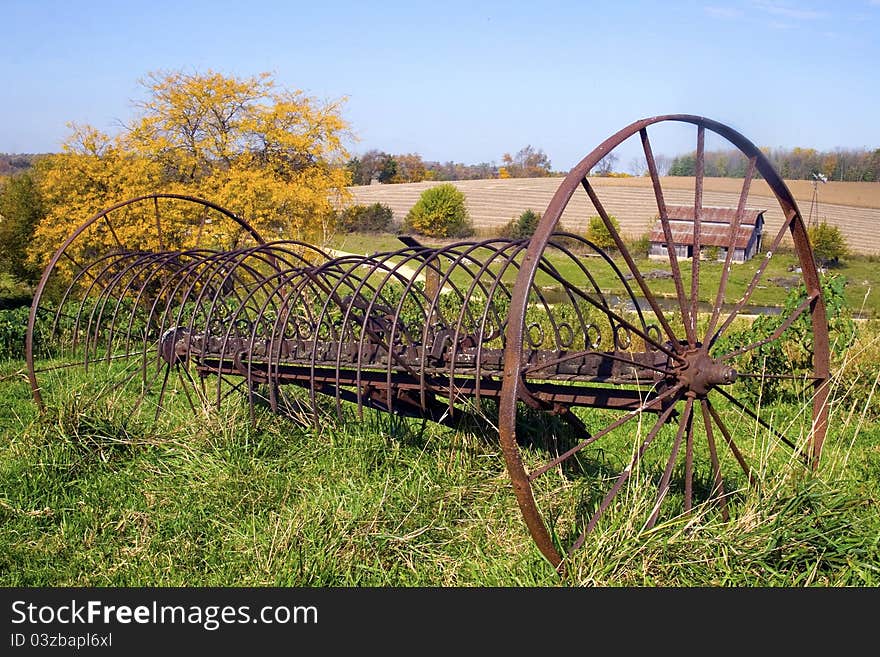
(115, 299)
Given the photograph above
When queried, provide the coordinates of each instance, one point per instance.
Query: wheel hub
(700, 372)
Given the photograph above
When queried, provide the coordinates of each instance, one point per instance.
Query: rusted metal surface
(553, 324)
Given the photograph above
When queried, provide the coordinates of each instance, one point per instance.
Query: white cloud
(786, 10)
(725, 12)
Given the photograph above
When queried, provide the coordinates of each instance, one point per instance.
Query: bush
(440, 212)
(522, 226)
(598, 233)
(828, 243)
(375, 218)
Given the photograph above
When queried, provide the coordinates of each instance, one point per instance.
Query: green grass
(90, 498)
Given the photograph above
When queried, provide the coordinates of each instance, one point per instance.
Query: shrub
(828, 243)
(440, 212)
(375, 218)
(522, 226)
(598, 233)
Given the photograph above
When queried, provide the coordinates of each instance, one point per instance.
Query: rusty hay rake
(618, 358)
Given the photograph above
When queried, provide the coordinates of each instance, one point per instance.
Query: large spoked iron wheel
(708, 415)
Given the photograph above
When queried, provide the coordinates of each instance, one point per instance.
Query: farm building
(715, 224)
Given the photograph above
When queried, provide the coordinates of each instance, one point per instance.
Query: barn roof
(715, 224)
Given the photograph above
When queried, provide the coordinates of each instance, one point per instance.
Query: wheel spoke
(162, 391)
(624, 252)
(806, 303)
(611, 427)
(756, 418)
(663, 488)
(718, 480)
(544, 364)
(754, 282)
(609, 497)
(667, 231)
(113, 232)
(689, 465)
(728, 259)
(158, 223)
(615, 316)
(729, 440)
(698, 215)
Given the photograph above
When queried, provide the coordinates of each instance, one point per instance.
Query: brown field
(854, 207)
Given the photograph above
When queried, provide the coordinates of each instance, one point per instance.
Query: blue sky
(465, 81)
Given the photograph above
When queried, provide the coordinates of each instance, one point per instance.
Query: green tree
(522, 226)
(372, 165)
(598, 233)
(440, 212)
(375, 218)
(527, 163)
(828, 243)
(21, 209)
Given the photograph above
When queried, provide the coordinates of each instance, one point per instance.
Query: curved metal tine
(609, 497)
(610, 262)
(410, 294)
(383, 265)
(128, 261)
(344, 270)
(108, 262)
(729, 440)
(461, 257)
(123, 293)
(718, 483)
(791, 214)
(145, 280)
(160, 273)
(323, 278)
(728, 259)
(621, 247)
(238, 315)
(135, 305)
(269, 288)
(647, 406)
(684, 425)
(297, 297)
(221, 278)
(497, 249)
(97, 311)
(697, 250)
(782, 328)
(644, 335)
(667, 232)
(757, 419)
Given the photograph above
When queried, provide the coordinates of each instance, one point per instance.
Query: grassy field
(90, 497)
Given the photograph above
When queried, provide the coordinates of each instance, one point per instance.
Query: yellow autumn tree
(273, 156)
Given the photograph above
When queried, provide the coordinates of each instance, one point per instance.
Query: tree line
(852, 165)
(381, 167)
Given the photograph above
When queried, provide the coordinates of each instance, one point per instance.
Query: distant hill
(12, 163)
(853, 206)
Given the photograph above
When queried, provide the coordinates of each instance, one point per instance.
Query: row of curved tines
(415, 311)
